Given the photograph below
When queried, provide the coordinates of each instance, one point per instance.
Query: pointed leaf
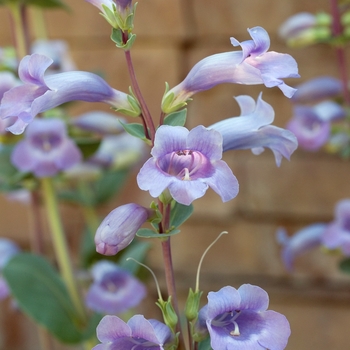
(180, 213)
(177, 118)
(148, 233)
(135, 129)
(41, 294)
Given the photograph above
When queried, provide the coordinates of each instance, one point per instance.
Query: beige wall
(172, 36)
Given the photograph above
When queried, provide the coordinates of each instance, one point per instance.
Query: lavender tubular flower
(187, 163)
(114, 290)
(251, 130)
(238, 319)
(138, 333)
(296, 25)
(46, 149)
(337, 234)
(305, 239)
(312, 125)
(119, 228)
(39, 93)
(253, 65)
(317, 89)
(7, 82)
(57, 50)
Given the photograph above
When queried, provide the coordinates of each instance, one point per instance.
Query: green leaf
(41, 294)
(180, 213)
(344, 265)
(87, 145)
(137, 250)
(205, 344)
(148, 233)
(134, 129)
(176, 118)
(109, 184)
(40, 3)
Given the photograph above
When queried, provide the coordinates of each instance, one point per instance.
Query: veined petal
(224, 300)
(142, 328)
(169, 138)
(252, 130)
(205, 141)
(185, 192)
(276, 331)
(223, 182)
(253, 298)
(151, 179)
(32, 68)
(111, 328)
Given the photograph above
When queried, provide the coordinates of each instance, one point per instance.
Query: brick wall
(172, 36)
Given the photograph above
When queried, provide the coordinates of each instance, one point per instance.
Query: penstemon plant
(57, 159)
(320, 122)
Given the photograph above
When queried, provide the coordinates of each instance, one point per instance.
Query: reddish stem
(146, 115)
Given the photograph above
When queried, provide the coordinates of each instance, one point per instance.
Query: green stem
(39, 25)
(17, 12)
(60, 244)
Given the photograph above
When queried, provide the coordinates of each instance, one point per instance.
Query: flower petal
(111, 328)
(169, 139)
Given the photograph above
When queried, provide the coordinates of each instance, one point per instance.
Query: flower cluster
(88, 158)
(333, 235)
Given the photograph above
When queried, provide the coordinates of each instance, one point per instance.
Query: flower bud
(119, 228)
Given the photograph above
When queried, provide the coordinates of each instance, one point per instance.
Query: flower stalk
(146, 115)
(60, 244)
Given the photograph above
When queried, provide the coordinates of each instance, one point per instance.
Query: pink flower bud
(119, 228)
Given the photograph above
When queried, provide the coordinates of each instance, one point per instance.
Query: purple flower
(317, 89)
(58, 51)
(138, 333)
(46, 149)
(187, 163)
(306, 28)
(302, 241)
(296, 25)
(99, 122)
(337, 234)
(238, 319)
(7, 250)
(119, 228)
(7, 82)
(117, 151)
(312, 125)
(252, 130)
(252, 65)
(39, 93)
(114, 290)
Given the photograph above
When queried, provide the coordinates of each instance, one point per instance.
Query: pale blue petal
(253, 298)
(185, 192)
(111, 328)
(226, 299)
(223, 182)
(208, 142)
(152, 179)
(169, 139)
(142, 328)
